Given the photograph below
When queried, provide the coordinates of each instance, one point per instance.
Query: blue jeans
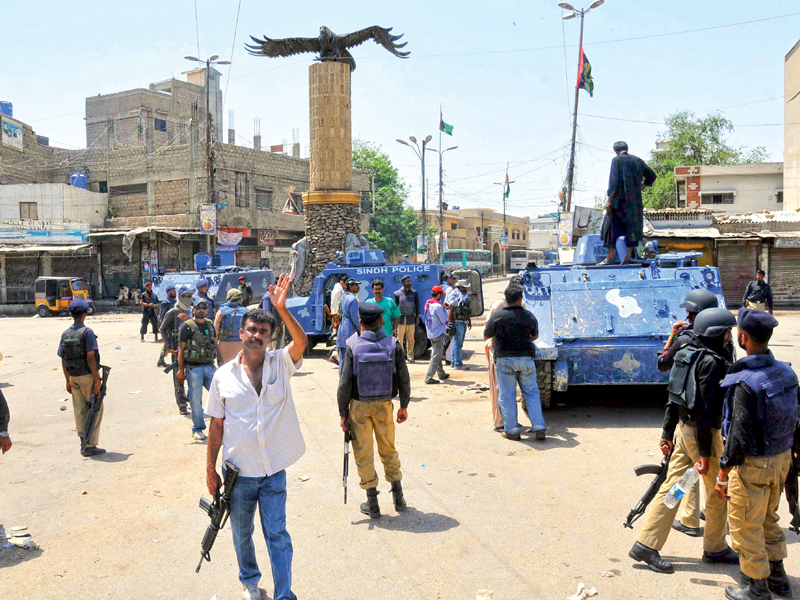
(458, 341)
(510, 371)
(269, 494)
(198, 377)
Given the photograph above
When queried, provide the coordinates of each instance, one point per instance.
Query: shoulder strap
(192, 325)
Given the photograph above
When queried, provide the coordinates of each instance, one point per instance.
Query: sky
(503, 72)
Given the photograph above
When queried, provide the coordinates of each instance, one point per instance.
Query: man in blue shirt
(435, 319)
(202, 292)
(80, 361)
(350, 321)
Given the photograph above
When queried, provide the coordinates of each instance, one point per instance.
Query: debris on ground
(63, 399)
(137, 392)
(478, 387)
(304, 478)
(484, 594)
(84, 492)
(63, 408)
(117, 347)
(607, 574)
(583, 593)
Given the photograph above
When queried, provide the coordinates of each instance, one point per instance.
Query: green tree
(691, 140)
(394, 224)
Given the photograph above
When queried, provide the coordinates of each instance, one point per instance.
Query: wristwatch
(4, 434)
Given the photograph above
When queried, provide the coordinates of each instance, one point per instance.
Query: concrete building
(791, 126)
(730, 188)
(54, 202)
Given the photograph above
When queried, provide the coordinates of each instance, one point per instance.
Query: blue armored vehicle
(364, 265)
(604, 324)
(220, 280)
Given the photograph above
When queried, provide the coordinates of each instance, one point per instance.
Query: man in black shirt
(407, 301)
(197, 352)
(758, 294)
(761, 409)
(149, 303)
(695, 402)
(515, 330)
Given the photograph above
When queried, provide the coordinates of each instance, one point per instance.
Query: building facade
(791, 126)
(730, 188)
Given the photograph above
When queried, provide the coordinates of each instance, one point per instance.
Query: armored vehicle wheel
(544, 377)
(90, 312)
(421, 342)
(43, 311)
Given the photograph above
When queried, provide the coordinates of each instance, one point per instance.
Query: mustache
(255, 340)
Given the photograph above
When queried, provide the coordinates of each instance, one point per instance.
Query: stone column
(332, 209)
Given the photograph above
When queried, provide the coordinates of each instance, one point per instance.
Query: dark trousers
(149, 317)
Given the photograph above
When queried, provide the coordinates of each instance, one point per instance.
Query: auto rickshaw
(53, 294)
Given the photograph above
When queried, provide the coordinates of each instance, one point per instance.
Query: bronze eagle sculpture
(329, 46)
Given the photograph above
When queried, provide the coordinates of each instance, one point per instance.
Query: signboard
(422, 249)
(231, 236)
(266, 237)
(504, 242)
(587, 221)
(208, 218)
(12, 134)
(787, 242)
(23, 231)
(290, 208)
(565, 225)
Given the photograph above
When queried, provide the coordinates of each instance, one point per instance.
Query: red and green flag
(585, 74)
(448, 129)
(507, 189)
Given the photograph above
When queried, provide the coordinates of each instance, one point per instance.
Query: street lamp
(505, 229)
(571, 168)
(440, 245)
(421, 155)
(211, 60)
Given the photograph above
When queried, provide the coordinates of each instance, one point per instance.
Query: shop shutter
(784, 277)
(737, 263)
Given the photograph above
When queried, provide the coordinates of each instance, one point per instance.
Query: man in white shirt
(253, 418)
(337, 293)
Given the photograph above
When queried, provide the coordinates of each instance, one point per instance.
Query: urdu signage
(24, 231)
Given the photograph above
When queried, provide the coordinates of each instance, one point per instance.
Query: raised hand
(279, 292)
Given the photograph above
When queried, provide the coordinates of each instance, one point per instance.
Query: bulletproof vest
(407, 303)
(200, 348)
(775, 385)
(373, 365)
(74, 350)
(232, 314)
(461, 310)
(682, 385)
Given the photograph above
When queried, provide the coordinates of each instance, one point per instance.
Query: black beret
(369, 312)
(756, 321)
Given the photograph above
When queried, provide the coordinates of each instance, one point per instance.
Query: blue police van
(365, 266)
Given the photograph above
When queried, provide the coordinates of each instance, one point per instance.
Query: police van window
(422, 277)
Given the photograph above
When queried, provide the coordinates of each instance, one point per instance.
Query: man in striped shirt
(254, 419)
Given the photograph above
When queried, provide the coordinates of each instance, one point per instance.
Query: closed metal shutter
(784, 276)
(737, 263)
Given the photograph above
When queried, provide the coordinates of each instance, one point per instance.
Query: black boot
(756, 590)
(161, 362)
(778, 581)
(726, 557)
(370, 507)
(651, 558)
(156, 337)
(397, 492)
(142, 336)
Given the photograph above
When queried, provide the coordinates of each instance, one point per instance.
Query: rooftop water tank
(78, 180)
(6, 108)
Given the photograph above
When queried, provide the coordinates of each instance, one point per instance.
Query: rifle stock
(218, 511)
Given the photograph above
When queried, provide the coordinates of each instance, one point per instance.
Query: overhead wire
(233, 47)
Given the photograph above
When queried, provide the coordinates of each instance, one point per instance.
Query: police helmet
(713, 322)
(698, 300)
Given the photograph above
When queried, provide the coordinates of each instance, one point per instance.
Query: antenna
(256, 126)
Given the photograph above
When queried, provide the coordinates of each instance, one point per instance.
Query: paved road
(524, 519)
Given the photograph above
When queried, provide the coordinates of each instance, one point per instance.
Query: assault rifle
(95, 404)
(660, 471)
(348, 436)
(791, 487)
(219, 510)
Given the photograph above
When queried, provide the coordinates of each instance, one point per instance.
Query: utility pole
(372, 189)
(441, 210)
(421, 155)
(503, 185)
(571, 169)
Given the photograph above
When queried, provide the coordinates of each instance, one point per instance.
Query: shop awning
(12, 249)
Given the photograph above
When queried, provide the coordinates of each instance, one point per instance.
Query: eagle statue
(329, 46)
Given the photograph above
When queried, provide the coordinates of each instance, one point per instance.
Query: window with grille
(298, 201)
(717, 198)
(264, 198)
(242, 200)
(28, 210)
(160, 124)
(779, 197)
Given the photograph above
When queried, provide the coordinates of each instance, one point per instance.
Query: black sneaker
(432, 381)
(445, 376)
(92, 451)
(726, 557)
(690, 531)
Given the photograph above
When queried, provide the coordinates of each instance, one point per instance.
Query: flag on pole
(506, 191)
(585, 74)
(448, 129)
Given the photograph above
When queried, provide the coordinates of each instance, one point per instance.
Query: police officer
(202, 292)
(228, 322)
(163, 308)
(682, 333)
(761, 409)
(246, 290)
(349, 324)
(149, 304)
(696, 402)
(196, 354)
(170, 324)
(80, 361)
(758, 294)
(374, 371)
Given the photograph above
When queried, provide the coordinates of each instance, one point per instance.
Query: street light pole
(571, 168)
(211, 60)
(505, 228)
(421, 155)
(439, 151)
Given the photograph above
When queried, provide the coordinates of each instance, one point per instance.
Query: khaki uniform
(658, 518)
(690, 507)
(757, 305)
(405, 333)
(81, 398)
(366, 418)
(755, 493)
